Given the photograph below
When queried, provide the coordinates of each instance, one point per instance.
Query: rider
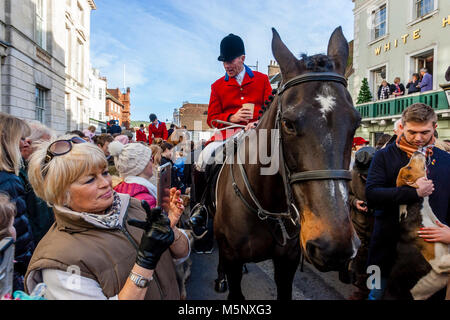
(240, 85)
(157, 128)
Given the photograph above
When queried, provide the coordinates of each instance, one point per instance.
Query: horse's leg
(221, 283)
(285, 268)
(233, 271)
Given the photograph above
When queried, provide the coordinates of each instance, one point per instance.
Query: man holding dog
(419, 123)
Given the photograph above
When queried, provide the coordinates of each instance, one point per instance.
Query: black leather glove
(157, 236)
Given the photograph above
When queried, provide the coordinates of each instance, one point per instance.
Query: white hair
(38, 131)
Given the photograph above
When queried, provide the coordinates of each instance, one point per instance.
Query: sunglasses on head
(59, 148)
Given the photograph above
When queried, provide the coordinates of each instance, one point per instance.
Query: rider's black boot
(198, 219)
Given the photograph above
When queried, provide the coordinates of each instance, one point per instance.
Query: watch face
(143, 283)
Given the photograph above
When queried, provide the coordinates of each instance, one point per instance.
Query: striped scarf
(409, 148)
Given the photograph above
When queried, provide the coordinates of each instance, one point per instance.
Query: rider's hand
(176, 207)
(251, 125)
(157, 236)
(243, 115)
(360, 206)
(425, 187)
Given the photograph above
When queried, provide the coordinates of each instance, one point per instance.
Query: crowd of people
(419, 82)
(89, 200)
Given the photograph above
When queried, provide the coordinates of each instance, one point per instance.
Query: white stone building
(97, 101)
(77, 62)
(32, 60)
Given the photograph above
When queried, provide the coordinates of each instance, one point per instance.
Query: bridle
(291, 178)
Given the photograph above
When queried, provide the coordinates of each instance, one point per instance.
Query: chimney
(273, 68)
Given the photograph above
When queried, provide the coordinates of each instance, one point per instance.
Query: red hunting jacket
(141, 136)
(160, 132)
(227, 97)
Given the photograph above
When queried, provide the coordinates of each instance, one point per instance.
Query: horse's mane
(317, 63)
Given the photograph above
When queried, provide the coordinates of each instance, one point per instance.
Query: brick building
(124, 100)
(191, 112)
(114, 108)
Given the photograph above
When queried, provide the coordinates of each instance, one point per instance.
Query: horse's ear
(338, 50)
(283, 55)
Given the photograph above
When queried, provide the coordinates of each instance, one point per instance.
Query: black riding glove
(157, 236)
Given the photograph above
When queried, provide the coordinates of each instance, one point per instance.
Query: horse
(412, 270)
(301, 207)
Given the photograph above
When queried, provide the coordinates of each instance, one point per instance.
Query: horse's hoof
(221, 285)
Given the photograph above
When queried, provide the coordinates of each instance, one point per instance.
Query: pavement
(259, 284)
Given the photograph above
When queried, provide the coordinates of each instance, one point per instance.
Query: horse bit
(288, 177)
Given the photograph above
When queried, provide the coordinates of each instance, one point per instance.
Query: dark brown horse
(314, 115)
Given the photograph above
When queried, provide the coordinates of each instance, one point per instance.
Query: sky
(170, 47)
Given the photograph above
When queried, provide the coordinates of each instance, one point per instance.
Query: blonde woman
(97, 232)
(13, 132)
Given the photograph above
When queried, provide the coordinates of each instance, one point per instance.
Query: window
(379, 22)
(40, 104)
(377, 76)
(423, 7)
(80, 59)
(100, 93)
(41, 22)
(68, 50)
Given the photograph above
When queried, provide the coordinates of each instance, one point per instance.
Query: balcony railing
(395, 106)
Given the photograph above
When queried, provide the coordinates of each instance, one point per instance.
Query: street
(258, 283)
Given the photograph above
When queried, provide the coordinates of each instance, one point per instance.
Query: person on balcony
(427, 81)
(397, 89)
(413, 84)
(384, 90)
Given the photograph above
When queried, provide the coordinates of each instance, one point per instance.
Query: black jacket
(392, 87)
(24, 245)
(412, 87)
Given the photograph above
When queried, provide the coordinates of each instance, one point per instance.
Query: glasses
(59, 148)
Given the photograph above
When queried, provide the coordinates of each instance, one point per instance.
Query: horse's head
(318, 122)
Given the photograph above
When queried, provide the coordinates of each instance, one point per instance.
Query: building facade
(32, 76)
(114, 108)
(396, 39)
(97, 101)
(77, 62)
(124, 99)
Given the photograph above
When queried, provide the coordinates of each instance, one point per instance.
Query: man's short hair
(102, 139)
(420, 113)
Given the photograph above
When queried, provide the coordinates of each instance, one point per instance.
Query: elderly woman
(96, 248)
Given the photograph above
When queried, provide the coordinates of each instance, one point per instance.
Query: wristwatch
(139, 280)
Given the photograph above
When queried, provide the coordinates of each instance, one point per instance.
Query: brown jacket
(106, 256)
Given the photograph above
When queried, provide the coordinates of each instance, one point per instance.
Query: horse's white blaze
(331, 189)
(327, 103)
(343, 190)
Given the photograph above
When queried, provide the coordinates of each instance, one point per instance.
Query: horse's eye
(290, 126)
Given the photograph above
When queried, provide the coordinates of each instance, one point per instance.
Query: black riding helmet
(231, 47)
(363, 158)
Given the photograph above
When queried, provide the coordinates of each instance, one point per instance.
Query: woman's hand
(176, 207)
(436, 234)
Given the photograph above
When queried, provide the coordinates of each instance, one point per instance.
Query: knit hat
(130, 159)
(363, 158)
